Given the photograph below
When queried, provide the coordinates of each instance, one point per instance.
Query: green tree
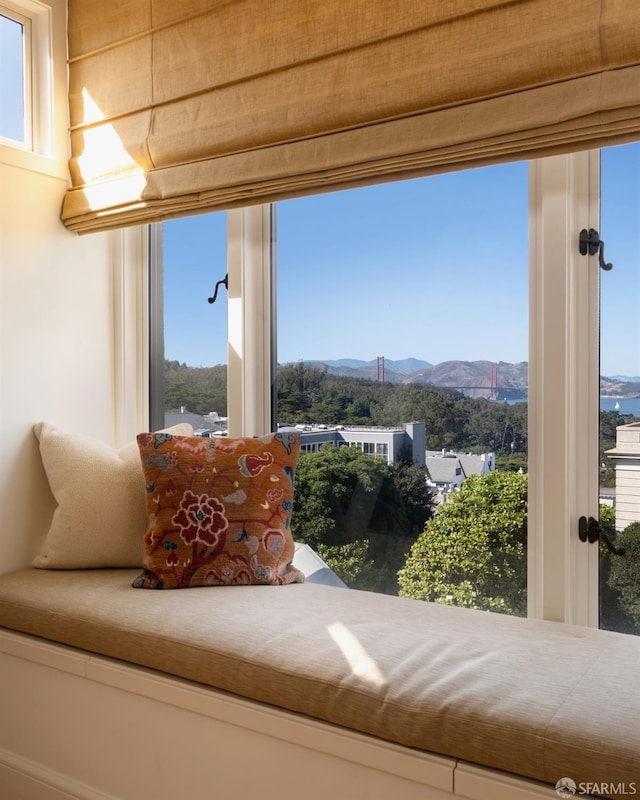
(497, 426)
(624, 575)
(513, 463)
(473, 552)
(344, 498)
(292, 399)
(200, 389)
(607, 519)
(342, 494)
(300, 388)
(417, 497)
(612, 616)
(354, 565)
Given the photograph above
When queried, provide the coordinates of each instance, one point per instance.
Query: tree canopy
(453, 421)
(307, 394)
(473, 552)
(359, 513)
(310, 395)
(200, 389)
(624, 578)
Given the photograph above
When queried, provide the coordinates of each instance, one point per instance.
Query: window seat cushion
(539, 699)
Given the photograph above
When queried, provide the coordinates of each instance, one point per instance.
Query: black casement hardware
(590, 529)
(225, 281)
(591, 243)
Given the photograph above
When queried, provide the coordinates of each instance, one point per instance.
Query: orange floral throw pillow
(218, 510)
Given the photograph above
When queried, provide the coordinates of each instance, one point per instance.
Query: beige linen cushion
(100, 517)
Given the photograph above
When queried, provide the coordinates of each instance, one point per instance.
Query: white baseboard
(23, 779)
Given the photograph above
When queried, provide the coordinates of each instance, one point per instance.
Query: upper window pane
(403, 333)
(620, 389)
(194, 384)
(12, 79)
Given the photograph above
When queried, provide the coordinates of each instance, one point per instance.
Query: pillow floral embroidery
(218, 510)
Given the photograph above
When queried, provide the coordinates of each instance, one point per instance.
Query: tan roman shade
(181, 107)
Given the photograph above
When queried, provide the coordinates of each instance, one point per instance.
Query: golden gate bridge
(492, 387)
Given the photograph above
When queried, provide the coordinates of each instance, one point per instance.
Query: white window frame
(563, 388)
(382, 450)
(251, 354)
(563, 371)
(45, 148)
(129, 250)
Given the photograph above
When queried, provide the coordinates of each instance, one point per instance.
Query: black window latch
(592, 530)
(591, 243)
(224, 282)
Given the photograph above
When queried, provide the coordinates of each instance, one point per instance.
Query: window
(382, 450)
(15, 82)
(189, 339)
(565, 404)
(26, 78)
(443, 260)
(562, 350)
(619, 446)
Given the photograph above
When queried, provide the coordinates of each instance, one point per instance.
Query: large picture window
(458, 267)
(434, 380)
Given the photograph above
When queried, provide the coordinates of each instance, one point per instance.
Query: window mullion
(250, 348)
(131, 345)
(563, 389)
(584, 397)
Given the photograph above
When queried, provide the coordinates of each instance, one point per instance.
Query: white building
(203, 424)
(389, 444)
(626, 455)
(447, 470)
(444, 474)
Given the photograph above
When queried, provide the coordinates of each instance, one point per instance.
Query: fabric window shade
(178, 108)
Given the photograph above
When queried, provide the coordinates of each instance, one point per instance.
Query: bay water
(623, 405)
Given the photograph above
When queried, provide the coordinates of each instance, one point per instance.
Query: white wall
(56, 326)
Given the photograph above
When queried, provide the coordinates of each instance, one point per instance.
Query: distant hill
(472, 378)
(394, 371)
(624, 378)
(619, 386)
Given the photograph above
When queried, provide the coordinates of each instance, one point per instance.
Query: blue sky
(434, 268)
(421, 268)
(11, 104)
(620, 288)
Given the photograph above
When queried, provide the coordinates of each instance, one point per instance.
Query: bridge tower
(494, 381)
(380, 369)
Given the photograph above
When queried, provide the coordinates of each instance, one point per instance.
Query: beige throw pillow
(100, 516)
